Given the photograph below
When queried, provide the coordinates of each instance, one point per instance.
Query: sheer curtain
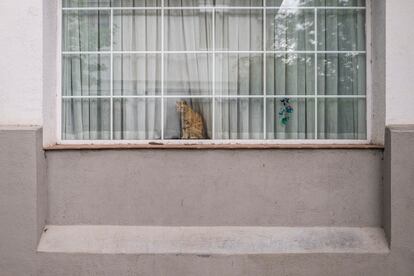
(239, 74)
(137, 74)
(326, 89)
(291, 74)
(85, 77)
(342, 74)
(187, 74)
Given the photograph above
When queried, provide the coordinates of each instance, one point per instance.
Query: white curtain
(137, 74)
(187, 74)
(342, 74)
(239, 85)
(239, 73)
(85, 75)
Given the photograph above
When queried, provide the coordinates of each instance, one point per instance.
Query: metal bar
(213, 123)
(162, 69)
(316, 74)
(264, 72)
(112, 76)
(210, 52)
(218, 96)
(211, 7)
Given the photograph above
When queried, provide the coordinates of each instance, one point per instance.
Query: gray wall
(399, 197)
(244, 187)
(216, 187)
(23, 198)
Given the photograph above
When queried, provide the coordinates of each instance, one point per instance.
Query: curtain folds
(315, 61)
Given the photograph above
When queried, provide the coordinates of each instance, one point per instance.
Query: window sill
(209, 146)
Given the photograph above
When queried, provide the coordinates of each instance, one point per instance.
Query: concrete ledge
(211, 240)
(190, 146)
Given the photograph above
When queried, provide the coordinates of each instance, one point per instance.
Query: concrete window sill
(213, 146)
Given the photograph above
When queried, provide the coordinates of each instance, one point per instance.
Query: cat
(192, 123)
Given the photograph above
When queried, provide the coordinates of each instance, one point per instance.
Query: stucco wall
(26, 73)
(23, 199)
(350, 182)
(400, 60)
(207, 188)
(21, 84)
(28, 30)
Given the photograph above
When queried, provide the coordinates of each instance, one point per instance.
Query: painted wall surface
(21, 62)
(400, 60)
(208, 188)
(23, 198)
(28, 31)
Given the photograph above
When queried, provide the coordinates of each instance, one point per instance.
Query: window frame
(368, 96)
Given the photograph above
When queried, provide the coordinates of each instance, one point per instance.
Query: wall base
(24, 199)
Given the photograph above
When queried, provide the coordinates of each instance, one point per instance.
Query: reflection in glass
(86, 119)
(188, 74)
(342, 119)
(290, 30)
(239, 74)
(315, 3)
(342, 74)
(188, 3)
(239, 30)
(86, 31)
(240, 118)
(290, 74)
(341, 30)
(147, 84)
(137, 74)
(239, 3)
(137, 119)
(290, 118)
(176, 116)
(136, 3)
(86, 75)
(188, 30)
(86, 3)
(137, 30)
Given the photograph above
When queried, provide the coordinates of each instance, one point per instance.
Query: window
(223, 70)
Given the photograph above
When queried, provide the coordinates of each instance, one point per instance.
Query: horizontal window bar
(211, 8)
(215, 96)
(209, 52)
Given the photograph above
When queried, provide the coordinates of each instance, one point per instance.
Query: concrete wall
(399, 198)
(23, 199)
(345, 191)
(252, 187)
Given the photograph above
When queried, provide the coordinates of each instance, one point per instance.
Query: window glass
(214, 70)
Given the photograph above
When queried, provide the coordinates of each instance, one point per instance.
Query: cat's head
(181, 106)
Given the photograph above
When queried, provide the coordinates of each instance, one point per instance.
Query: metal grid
(214, 96)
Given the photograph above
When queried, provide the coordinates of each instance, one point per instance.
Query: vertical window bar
(316, 73)
(213, 123)
(112, 77)
(162, 69)
(264, 72)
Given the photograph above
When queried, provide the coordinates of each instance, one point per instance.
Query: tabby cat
(192, 124)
